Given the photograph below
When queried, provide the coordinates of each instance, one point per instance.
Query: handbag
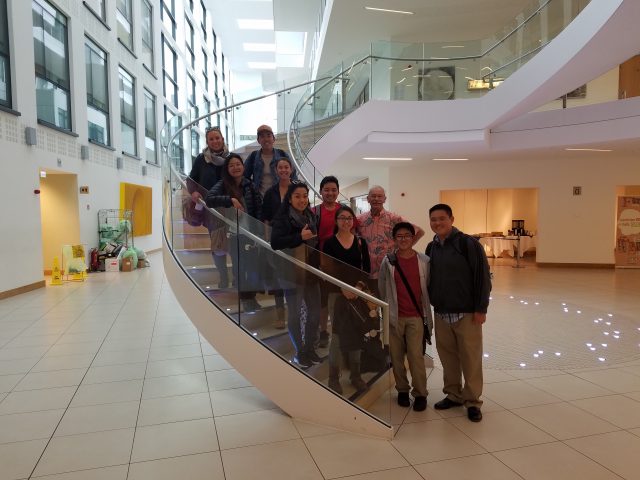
(219, 241)
(190, 213)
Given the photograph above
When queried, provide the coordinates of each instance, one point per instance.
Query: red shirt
(327, 224)
(411, 271)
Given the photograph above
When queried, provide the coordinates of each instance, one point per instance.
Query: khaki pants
(406, 339)
(459, 346)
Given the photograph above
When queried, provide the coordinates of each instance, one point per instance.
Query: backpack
(462, 247)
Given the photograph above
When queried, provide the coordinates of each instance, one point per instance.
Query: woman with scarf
(295, 228)
(233, 190)
(205, 173)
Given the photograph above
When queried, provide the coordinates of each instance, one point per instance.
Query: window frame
(122, 72)
(148, 96)
(128, 17)
(149, 47)
(5, 54)
(95, 48)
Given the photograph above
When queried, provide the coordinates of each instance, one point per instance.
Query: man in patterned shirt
(376, 227)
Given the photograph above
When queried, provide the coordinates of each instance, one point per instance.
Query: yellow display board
(138, 198)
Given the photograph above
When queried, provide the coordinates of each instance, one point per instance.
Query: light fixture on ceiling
(588, 150)
(392, 159)
(408, 68)
(259, 47)
(452, 46)
(262, 65)
(43, 174)
(450, 159)
(255, 24)
(386, 10)
(401, 80)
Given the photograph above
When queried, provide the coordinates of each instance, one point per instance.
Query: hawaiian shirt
(377, 231)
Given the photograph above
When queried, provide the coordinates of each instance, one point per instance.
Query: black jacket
(460, 280)
(352, 322)
(271, 203)
(252, 200)
(203, 175)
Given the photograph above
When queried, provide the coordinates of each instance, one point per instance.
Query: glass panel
(53, 104)
(50, 44)
(98, 125)
(147, 35)
(98, 7)
(124, 18)
(5, 82)
(128, 113)
(150, 128)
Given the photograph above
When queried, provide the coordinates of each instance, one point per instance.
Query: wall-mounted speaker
(119, 163)
(30, 135)
(84, 152)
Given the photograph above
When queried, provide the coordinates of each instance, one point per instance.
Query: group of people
(373, 252)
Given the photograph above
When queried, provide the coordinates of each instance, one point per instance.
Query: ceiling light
(259, 47)
(386, 10)
(262, 65)
(255, 24)
(408, 68)
(450, 159)
(395, 159)
(452, 46)
(587, 150)
(43, 174)
(401, 80)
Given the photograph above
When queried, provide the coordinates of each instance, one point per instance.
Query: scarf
(299, 220)
(215, 158)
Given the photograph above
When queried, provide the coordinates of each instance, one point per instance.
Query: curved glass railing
(424, 71)
(273, 295)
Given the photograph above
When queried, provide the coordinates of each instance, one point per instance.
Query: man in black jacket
(459, 291)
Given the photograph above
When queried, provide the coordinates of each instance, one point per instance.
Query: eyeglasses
(345, 219)
(404, 237)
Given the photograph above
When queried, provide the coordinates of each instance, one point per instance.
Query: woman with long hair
(205, 173)
(295, 228)
(234, 190)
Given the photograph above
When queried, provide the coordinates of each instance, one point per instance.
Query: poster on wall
(628, 232)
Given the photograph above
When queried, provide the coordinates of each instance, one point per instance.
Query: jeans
(310, 294)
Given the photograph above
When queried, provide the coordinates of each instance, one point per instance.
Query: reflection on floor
(109, 380)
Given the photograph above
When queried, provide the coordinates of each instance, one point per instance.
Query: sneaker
(420, 404)
(323, 341)
(314, 357)
(403, 399)
(250, 305)
(302, 361)
(446, 403)
(474, 414)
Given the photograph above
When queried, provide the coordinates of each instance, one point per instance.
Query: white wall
(571, 229)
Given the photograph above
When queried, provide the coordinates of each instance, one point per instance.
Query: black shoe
(420, 404)
(474, 414)
(250, 305)
(302, 361)
(446, 403)
(314, 357)
(403, 399)
(323, 341)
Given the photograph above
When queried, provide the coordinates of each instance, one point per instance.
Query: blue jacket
(254, 166)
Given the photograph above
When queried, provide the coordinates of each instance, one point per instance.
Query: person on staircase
(233, 190)
(271, 204)
(205, 173)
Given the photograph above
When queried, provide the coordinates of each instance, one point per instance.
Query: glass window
(147, 35)
(5, 64)
(150, 127)
(207, 109)
(192, 91)
(191, 5)
(125, 27)
(53, 97)
(169, 65)
(168, 17)
(195, 143)
(128, 112)
(190, 38)
(97, 92)
(98, 7)
(205, 75)
(203, 19)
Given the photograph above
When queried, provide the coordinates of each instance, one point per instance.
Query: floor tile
(563, 420)
(568, 387)
(13, 367)
(343, 454)
(524, 373)
(18, 459)
(22, 352)
(206, 466)
(404, 473)
(253, 428)
(178, 366)
(112, 392)
(175, 340)
(174, 439)
(106, 473)
(216, 362)
(493, 376)
(434, 440)
(501, 430)
(179, 351)
(86, 451)
(7, 382)
(633, 395)
(36, 400)
(97, 418)
(121, 357)
(306, 429)
(63, 362)
(174, 409)
(239, 400)
(288, 460)
(517, 394)
(617, 451)
(115, 373)
(59, 378)
(175, 385)
(469, 468)
(560, 463)
(19, 427)
(617, 409)
(226, 379)
(613, 379)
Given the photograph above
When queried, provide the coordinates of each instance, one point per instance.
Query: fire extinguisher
(94, 259)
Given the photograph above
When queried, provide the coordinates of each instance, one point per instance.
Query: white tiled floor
(108, 380)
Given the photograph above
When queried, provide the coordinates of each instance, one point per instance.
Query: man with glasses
(402, 283)
(459, 290)
(260, 165)
(376, 227)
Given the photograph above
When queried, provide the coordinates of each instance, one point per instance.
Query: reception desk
(496, 246)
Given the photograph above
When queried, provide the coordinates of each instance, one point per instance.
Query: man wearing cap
(260, 165)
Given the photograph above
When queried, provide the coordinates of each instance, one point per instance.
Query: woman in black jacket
(294, 228)
(205, 173)
(233, 190)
